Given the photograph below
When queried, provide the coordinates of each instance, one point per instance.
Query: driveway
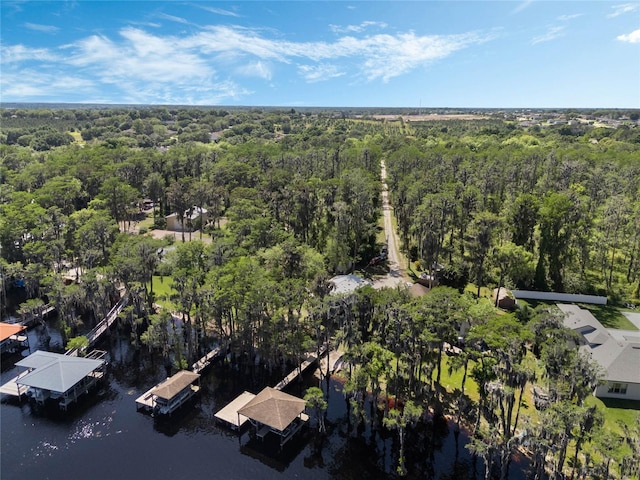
(397, 274)
(628, 335)
(633, 318)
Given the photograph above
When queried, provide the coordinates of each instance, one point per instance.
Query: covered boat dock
(12, 337)
(57, 377)
(169, 395)
(276, 412)
(229, 414)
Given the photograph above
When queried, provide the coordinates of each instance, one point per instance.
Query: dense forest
(294, 197)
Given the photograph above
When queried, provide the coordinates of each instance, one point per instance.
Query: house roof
(576, 317)
(624, 366)
(418, 290)
(347, 283)
(56, 372)
(37, 359)
(196, 212)
(619, 358)
(273, 408)
(175, 384)
(8, 329)
(504, 293)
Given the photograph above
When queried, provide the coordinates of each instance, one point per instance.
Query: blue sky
(538, 53)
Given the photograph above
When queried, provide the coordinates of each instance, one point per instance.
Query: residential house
(619, 355)
(193, 219)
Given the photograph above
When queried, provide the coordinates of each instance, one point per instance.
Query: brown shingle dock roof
(174, 385)
(273, 408)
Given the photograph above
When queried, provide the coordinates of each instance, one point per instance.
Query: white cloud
(357, 28)
(633, 37)
(566, 18)
(217, 11)
(20, 53)
(27, 83)
(258, 69)
(622, 9)
(41, 28)
(317, 73)
(378, 56)
(141, 56)
(551, 34)
(145, 67)
(172, 18)
(523, 5)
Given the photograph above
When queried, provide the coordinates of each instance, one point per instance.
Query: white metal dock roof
(56, 372)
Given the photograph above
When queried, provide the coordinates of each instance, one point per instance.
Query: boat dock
(13, 388)
(170, 394)
(230, 415)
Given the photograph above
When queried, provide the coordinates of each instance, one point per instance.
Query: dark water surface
(104, 437)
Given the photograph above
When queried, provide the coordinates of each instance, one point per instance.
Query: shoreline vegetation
(273, 202)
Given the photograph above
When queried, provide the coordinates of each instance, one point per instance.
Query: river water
(104, 437)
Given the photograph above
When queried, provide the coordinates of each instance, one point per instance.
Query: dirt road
(397, 274)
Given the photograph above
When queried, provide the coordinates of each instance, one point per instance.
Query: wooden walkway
(335, 363)
(94, 335)
(107, 321)
(310, 360)
(31, 318)
(229, 414)
(206, 360)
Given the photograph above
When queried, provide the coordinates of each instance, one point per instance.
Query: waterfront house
(619, 356)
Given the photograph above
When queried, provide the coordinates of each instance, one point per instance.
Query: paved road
(397, 274)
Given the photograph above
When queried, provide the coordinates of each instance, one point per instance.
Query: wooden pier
(310, 360)
(94, 335)
(335, 363)
(229, 414)
(107, 321)
(206, 360)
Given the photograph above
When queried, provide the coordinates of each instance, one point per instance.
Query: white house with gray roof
(618, 356)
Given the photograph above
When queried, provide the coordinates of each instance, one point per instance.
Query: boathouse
(171, 394)
(59, 378)
(12, 337)
(277, 412)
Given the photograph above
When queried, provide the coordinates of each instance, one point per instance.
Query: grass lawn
(485, 292)
(146, 223)
(454, 381)
(531, 303)
(615, 411)
(609, 316)
(163, 289)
